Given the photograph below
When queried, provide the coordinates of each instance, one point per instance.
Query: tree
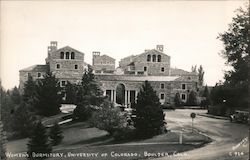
(30, 92)
(16, 96)
(22, 122)
(177, 100)
(109, 119)
(38, 142)
(88, 94)
(149, 114)
(201, 75)
(236, 52)
(48, 96)
(2, 142)
(55, 134)
(192, 99)
(71, 91)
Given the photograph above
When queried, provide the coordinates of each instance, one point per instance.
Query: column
(115, 96)
(136, 94)
(128, 96)
(111, 97)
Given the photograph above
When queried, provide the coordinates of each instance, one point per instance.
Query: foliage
(201, 75)
(192, 99)
(71, 90)
(234, 91)
(82, 112)
(108, 118)
(7, 108)
(55, 134)
(149, 114)
(177, 100)
(22, 122)
(88, 94)
(48, 96)
(30, 92)
(2, 142)
(38, 142)
(16, 96)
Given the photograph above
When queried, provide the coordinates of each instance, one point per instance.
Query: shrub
(55, 134)
(82, 113)
(108, 119)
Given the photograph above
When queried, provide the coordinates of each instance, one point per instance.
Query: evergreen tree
(48, 96)
(22, 122)
(55, 134)
(201, 75)
(88, 93)
(29, 91)
(177, 100)
(71, 92)
(149, 114)
(2, 142)
(16, 96)
(38, 142)
(192, 99)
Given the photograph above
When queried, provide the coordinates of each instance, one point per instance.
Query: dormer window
(67, 55)
(72, 55)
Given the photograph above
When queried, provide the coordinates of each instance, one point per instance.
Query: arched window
(72, 55)
(67, 55)
(159, 58)
(62, 55)
(154, 58)
(149, 58)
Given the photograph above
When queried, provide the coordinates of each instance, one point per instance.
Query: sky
(187, 29)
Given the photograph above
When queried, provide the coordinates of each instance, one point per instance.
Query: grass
(80, 138)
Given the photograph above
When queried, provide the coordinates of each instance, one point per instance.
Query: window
(72, 55)
(189, 78)
(76, 66)
(159, 58)
(145, 69)
(162, 96)
(58, 66)
(154, 58)
(162, 86)
(38, 74)
(183, 97)
(63, 83)
(162, 69)
(67, 55)
(183, 86)
(62, 55)
(149, 58)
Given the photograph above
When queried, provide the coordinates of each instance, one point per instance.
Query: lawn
(80, 140)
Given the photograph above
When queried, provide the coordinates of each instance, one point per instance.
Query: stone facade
(152, 62)
(103, 63)
(67, 64)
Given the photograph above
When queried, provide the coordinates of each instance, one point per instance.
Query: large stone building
(120, 84)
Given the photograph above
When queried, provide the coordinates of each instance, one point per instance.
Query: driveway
(230, 140)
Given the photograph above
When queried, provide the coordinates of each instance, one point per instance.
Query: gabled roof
(36, 68)
(104, 55)
(155, 51)
(67, 48)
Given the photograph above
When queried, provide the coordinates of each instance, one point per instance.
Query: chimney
(52, 47)
(159, 48)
